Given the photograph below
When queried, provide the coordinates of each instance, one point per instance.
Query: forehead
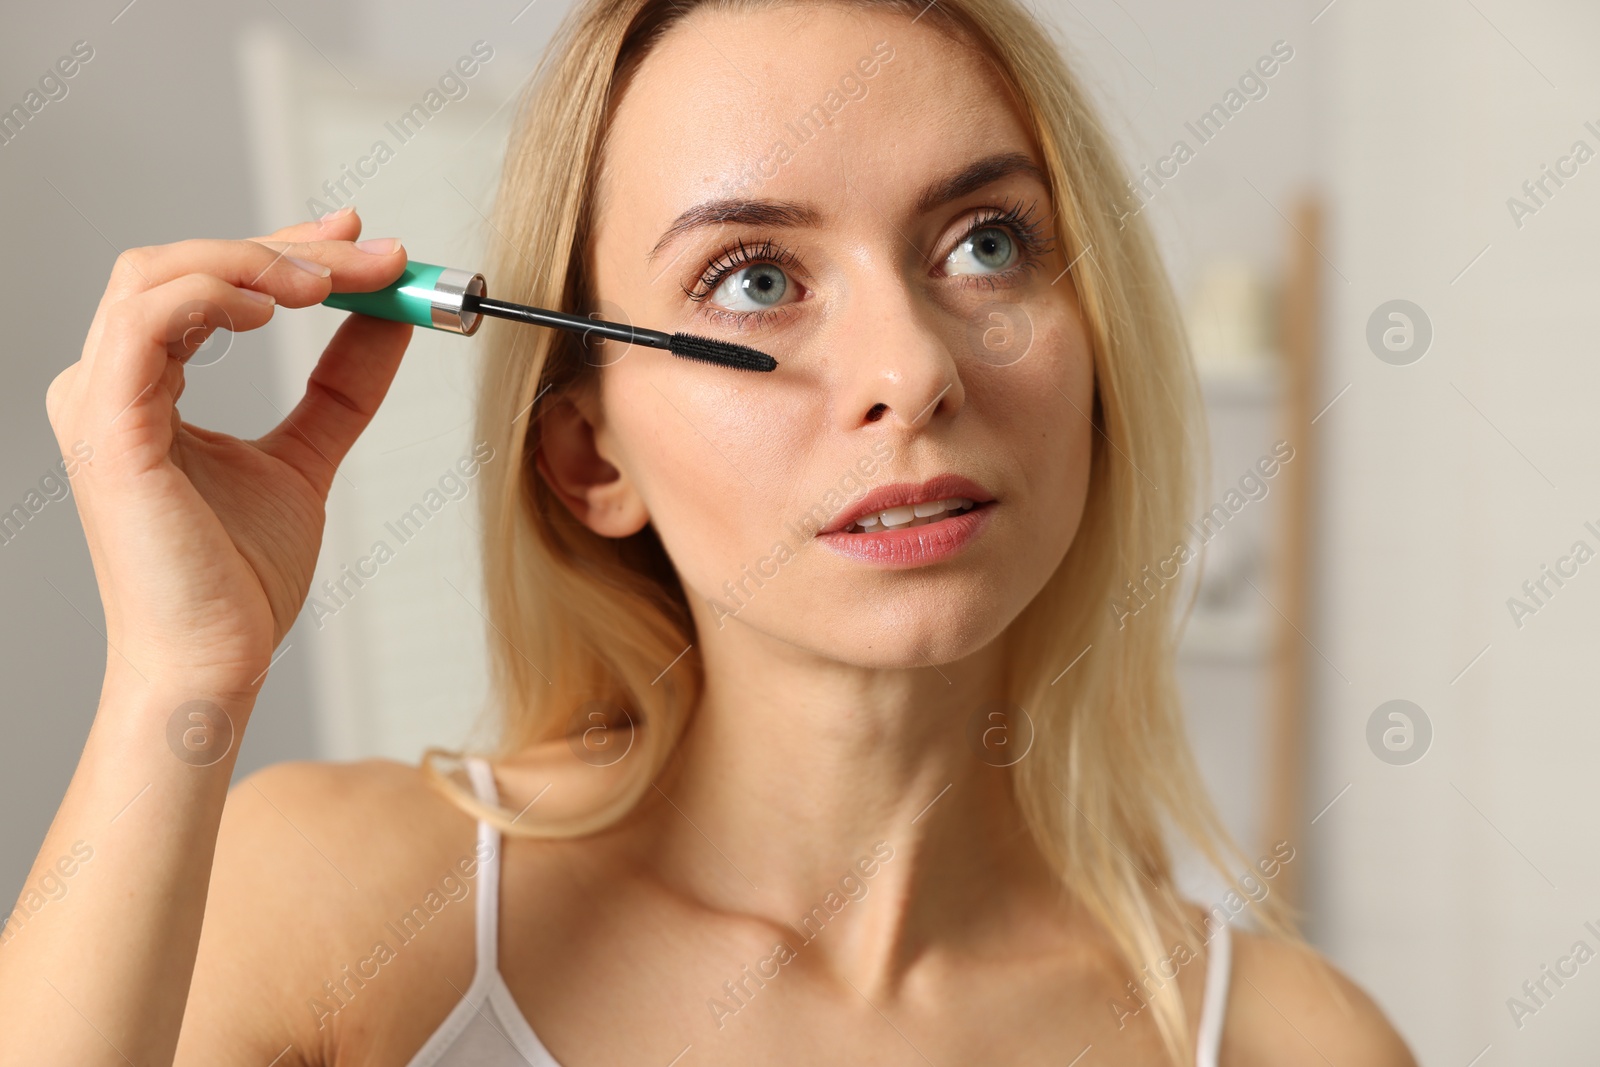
(802, 101)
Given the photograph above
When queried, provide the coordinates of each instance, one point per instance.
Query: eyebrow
(792, 215)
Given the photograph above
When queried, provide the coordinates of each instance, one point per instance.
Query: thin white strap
(488, 896)
(1219, 959)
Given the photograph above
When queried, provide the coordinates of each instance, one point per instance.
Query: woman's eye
(752, 288)
(983, 251)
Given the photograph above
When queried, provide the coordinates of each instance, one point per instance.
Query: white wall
(1448, 882)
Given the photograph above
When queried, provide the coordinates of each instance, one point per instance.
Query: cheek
(1041, 413)
(717, 462)
(1044, 406)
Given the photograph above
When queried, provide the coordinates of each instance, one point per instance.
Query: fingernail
(341, 213)
(309, 267)
(264, 298)
(378, 246)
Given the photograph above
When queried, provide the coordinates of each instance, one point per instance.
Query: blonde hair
(575, 617)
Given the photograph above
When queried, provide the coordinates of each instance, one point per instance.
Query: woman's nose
(897, 361)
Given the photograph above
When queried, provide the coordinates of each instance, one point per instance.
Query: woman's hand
(204, 544)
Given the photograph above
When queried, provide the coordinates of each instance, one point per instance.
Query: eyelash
(1024, 224)
(736, 257)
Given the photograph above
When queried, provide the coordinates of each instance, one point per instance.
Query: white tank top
(487, 1029)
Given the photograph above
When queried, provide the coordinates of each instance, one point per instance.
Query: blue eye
(984, 251)
(753, 288)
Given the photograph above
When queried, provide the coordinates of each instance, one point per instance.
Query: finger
(342, 225)
(61, 397)
(293, 280)
(297, 274)
(342, 394)
(173, 379)
(141, 270)
(354, 267)
(134, 270)
(146, 332)
(246, 264)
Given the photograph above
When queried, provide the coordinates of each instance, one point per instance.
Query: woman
(818, 742)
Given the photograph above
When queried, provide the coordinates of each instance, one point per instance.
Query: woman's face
(852, 193)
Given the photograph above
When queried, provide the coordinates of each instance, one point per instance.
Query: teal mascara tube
(456, 301)
(425, 294)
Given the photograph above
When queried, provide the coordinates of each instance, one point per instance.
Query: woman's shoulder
(1287, 1005)
(342, 836)
(366, 821)
(317, 865)
(375, 785)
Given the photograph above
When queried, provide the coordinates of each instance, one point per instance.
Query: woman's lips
(916, 545)
(943, 487)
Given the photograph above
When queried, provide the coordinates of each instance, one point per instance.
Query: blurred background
(1382, 218)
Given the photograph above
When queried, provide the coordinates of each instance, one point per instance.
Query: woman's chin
(909, 639)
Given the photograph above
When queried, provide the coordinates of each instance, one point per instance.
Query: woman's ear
(572, 460)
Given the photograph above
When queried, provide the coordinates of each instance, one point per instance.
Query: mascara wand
(454, 300)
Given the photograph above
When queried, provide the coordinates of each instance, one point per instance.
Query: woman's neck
(850, 805)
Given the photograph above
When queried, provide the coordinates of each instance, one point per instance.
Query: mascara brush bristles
(722, 353)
